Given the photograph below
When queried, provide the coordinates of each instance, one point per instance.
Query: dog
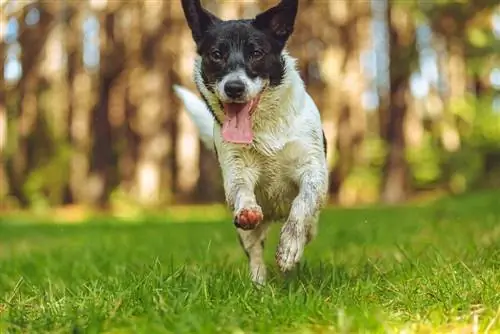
(263, 126)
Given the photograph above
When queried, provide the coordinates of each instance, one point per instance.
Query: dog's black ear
(198, 18)
(279, 20)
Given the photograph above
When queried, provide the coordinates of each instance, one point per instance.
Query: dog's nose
(234, 89)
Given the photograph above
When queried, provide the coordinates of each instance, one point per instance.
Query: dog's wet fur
(282, 174)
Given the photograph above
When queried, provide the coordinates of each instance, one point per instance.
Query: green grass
(433, 268)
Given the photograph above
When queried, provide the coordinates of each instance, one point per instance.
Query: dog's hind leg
(252, 242)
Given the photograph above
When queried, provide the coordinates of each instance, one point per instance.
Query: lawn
(417, 269)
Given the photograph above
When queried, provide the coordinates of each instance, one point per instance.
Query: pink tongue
(237, 127)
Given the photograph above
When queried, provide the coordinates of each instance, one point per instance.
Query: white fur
(283, 172)
(253, 87)
(200, 115)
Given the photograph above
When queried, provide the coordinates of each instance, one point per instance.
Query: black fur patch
(216, 152)
(324, 143)
(276, 80)
(232, 45)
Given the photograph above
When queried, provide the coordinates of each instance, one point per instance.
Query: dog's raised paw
(248, 218)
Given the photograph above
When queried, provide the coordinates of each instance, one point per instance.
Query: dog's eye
(216, 55)
(257, 54)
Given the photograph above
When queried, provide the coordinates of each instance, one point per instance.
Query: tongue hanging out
(237, 126)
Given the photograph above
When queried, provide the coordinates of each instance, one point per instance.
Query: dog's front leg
(240, 177)
(304, 211)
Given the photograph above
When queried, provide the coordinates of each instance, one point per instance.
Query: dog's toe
(289, 252)
(248, 218)
(288, 256)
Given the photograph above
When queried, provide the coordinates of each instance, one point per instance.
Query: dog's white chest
(276, 185)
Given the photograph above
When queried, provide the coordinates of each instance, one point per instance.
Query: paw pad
(248, 219)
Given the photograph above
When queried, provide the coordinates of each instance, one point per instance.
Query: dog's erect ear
(198, 18)
(278, 21)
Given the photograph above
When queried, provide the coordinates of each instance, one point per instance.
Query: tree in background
(394, 106)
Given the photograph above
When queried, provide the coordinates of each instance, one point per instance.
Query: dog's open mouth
(237, 126)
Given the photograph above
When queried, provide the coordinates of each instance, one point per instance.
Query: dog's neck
(277, 104)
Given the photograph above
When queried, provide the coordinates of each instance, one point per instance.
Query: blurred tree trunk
(149, 99)
(4, 180)
(123, 107)
(103, 169)
(32, 41)
(456, 73)
(402, 53)
(185, 162)
(452, 87)
(17, 166)
(345, 84)
(47, 179)
(81, 102)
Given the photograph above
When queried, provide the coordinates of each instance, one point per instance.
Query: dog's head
(240, 59)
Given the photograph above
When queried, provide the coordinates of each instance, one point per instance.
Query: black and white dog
(263, 125)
